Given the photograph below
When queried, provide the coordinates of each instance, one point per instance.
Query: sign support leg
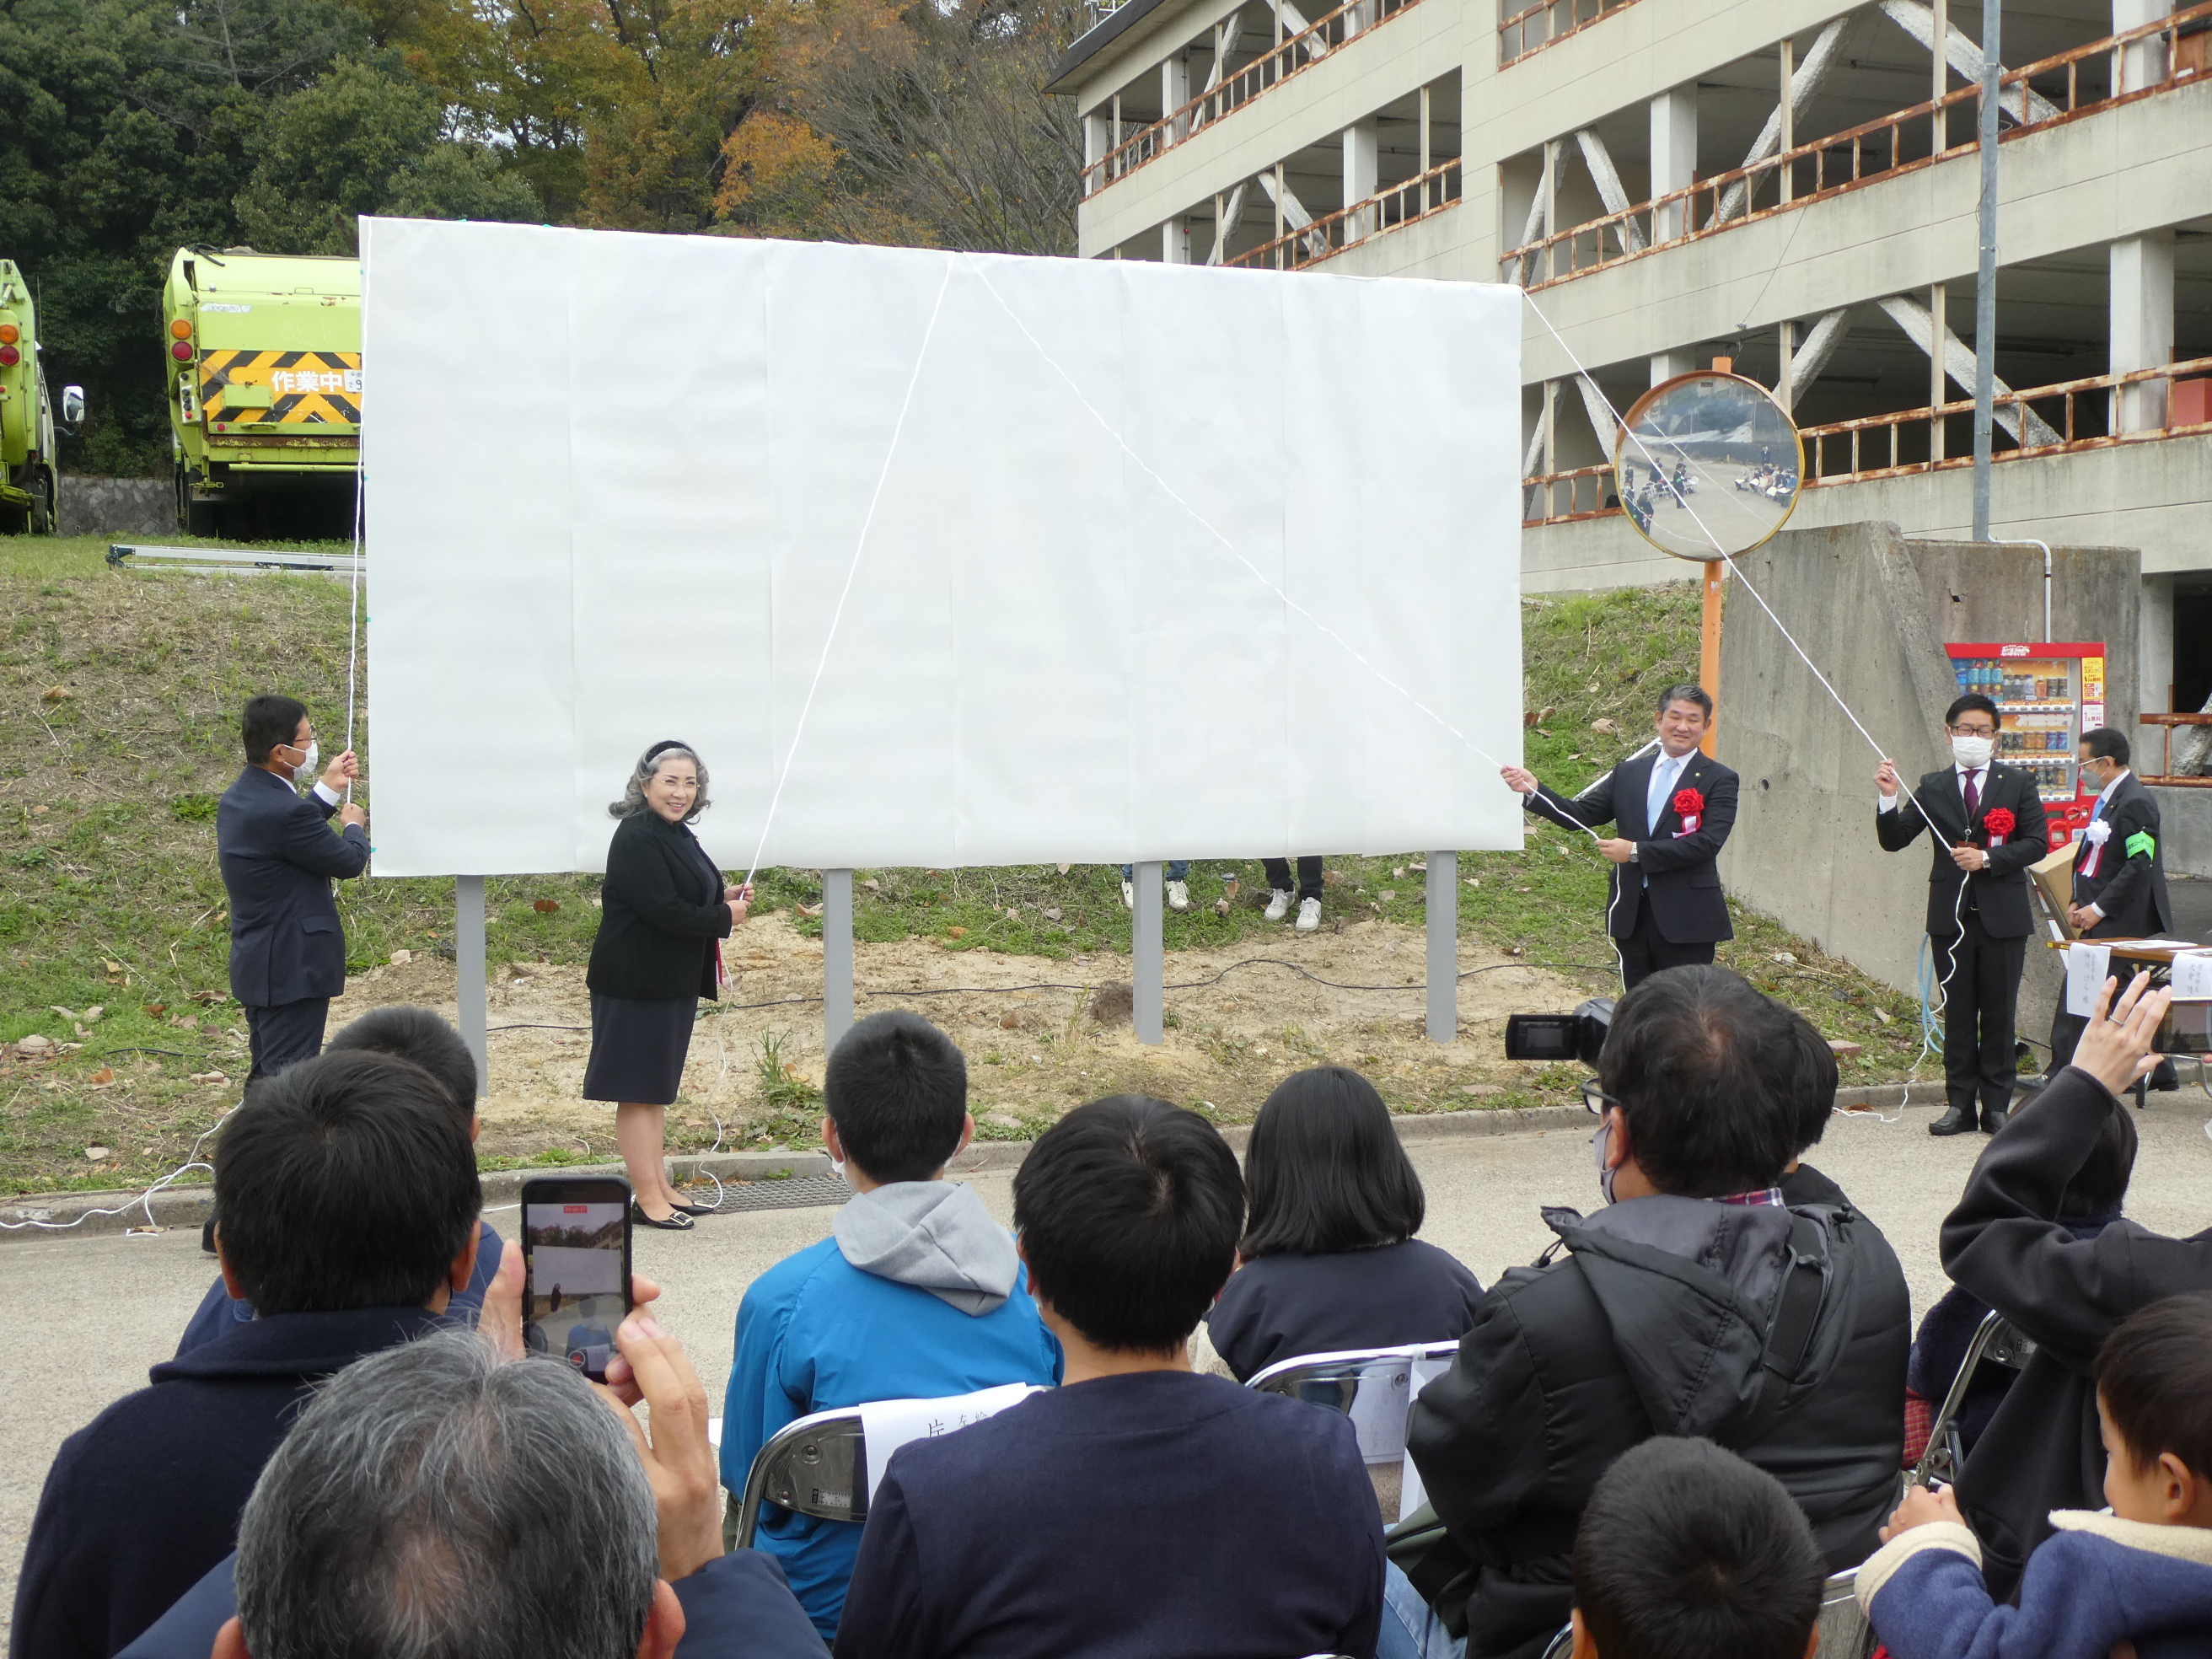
(1443, 946)
(836, 957)
(1147, 956)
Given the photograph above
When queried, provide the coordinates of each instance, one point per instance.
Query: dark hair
(1808, 1080)
(897, 1088)
(269, 720)
(1972, 703)
(2155, 1374)
(418, 1035)
(1686, 1550)
(1685, 691)
(2098, 1187)
(1325, 1172)
(2106, 744)
(1129, 1210)
(345, 1181)
(1699, 1060)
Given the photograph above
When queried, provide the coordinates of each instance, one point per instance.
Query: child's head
(1326, 1171)
(2101, 1183)
(1129, 1211)
(1687, 1552)
(2154, 1403)
(896, 1090)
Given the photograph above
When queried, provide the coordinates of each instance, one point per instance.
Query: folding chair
(1996, 1340)
(1562, 1644)
(1372, 1385)
(1845, 1632)
(817, 1466)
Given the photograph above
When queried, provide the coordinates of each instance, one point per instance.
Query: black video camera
(1578, 1035)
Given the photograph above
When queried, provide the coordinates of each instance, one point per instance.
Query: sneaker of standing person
(1278, 903)
(1128, 896)
(1178, 896)
(1309, 915)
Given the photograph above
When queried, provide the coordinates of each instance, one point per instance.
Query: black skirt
(638, 1048)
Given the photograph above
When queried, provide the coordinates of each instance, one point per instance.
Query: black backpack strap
(1791, 1332)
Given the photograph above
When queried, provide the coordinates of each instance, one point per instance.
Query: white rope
(353, 620)
(851, 570)
(146, 1198)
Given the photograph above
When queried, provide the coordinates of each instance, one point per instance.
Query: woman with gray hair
(663, 911)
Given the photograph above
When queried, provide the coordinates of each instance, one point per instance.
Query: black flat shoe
(1993, 1120)
(1956, 1121)
(678, 1222)
(699, 1209)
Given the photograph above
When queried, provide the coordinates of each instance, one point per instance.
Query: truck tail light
(180, 329)
(10, 334)
(182, 351)
(9, 356)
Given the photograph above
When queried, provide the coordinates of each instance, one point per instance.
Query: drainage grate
(799, 1193)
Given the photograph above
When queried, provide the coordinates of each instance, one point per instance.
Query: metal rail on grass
(240, 561)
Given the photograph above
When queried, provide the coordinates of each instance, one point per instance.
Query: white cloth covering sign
(2193, 976)
(2086, 968)
(887, 1425)
(1095, 560)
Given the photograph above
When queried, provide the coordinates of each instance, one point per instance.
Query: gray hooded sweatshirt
(933, 1235)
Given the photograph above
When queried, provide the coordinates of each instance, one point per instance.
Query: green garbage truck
(265, 391)
(30, 479)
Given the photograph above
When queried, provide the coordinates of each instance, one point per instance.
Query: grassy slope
(118, 706)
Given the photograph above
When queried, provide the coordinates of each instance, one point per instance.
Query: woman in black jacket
(664, 909)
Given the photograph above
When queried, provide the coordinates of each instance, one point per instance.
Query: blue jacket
(2096, 1582)
(736, 1606)
(278, 856)
(218, 1313)
(816, 1332)
(146, 1498)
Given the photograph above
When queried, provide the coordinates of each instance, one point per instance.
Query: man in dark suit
(278, 856)
(1989, 827)
(2119, 872)
(1674, 807)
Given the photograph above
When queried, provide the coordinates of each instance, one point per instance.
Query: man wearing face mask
(279, 856)
(2120, 872)
(1990, 828)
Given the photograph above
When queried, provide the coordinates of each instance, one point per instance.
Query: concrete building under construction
(1793, 186)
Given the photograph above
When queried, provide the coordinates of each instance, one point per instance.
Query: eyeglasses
(1975, 730)
(1596, 1100)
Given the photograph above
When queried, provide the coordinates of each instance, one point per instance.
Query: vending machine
(2047, 695)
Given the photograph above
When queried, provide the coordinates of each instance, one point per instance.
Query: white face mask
(1602, 1146)
(1972, 753)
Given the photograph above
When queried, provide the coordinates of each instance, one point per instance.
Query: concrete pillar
(2141, 325)
(1175, 92)
(1175, 241)
(2154, 657)
(1360, 157)
(1666, 365)
(2143, 63)
(1674, 157)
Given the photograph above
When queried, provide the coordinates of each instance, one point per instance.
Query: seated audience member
(348, 1193)
(1141, 1509)
(2090, 1203)
(551, 1517)
(916, 1294)
(1673, 1310)
(1687, 1552)
(2135, 1579)
(2004, 1244)
(1329, 1260)
(411, 1033)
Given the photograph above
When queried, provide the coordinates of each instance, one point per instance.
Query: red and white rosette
(1999, 822)
(1690, 807)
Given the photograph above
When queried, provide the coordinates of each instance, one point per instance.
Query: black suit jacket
(277, 855)
(661, 910)
(1999, 892)
(2129, 885)
(1684, 881)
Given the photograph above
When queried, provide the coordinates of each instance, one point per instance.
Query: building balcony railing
(1263, 74)
(1830, 166)
(1421, 196)
(1548, 22)
(1926, 440)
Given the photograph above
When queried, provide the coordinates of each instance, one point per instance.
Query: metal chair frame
(1332, 1379)
(817, 1466)
(1995, 1339)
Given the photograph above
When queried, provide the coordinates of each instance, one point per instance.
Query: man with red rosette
(1674, 809)
(1989, 827)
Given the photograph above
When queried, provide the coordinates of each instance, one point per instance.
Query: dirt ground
(1032, 1052)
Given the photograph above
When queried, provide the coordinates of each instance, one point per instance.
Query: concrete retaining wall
(2184, 818)
(116, 507)
(1874, 610)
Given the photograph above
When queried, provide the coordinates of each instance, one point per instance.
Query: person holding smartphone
(664, 911)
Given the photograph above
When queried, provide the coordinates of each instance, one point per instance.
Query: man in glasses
(1989, 827)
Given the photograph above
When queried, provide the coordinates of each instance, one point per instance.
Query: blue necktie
(1663, 780)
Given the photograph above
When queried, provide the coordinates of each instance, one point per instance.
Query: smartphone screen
(575, 1245)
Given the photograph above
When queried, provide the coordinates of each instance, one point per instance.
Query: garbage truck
(265, 391)
(30, 478)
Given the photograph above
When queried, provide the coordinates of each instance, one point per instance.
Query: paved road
(89, 1315)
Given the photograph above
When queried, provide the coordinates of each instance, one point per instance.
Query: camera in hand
(1578, 1035)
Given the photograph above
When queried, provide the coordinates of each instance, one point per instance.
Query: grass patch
(119, 694)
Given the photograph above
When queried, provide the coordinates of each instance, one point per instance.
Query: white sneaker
(1128, 896)
(1308, 915)
(1279, 904)
(1178, 896)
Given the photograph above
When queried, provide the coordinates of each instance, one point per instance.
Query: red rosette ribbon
(1688, 802)
(1999, 821)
